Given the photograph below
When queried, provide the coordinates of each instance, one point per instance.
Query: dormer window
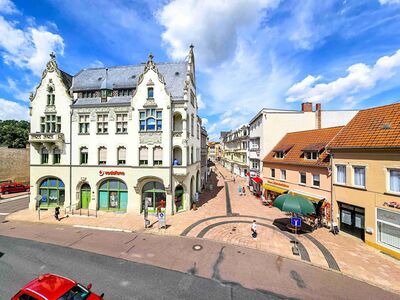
(311, 155)
(150, 92)
(280, 154)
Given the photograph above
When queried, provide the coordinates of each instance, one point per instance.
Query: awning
(315, 198)
(274, 188)
(256, 179)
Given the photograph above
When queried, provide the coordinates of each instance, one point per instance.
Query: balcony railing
(50, 138)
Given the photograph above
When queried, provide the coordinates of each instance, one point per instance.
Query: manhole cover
(197, 247)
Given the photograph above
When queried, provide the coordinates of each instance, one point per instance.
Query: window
(283, 174)
(102, 155)
(121, 155)
(244, 145)
(157, 156)
(191, 156)
(26, 297)
(150, 120)
(50, 124)
(84, 156)
(303, 178)
(280, 154)
(316, 180)
(192, 97)
(89, 94)
(52, 192)
(45, 156)
(192, 125)
(394, 181)
(273, 173)
(122, 123)
(84, 124)
(102, 123)
(51, 99)
(359, 176)
(341, 174)
(311, 155)
(124, 93)
(198, 131)
(57, 156)
(388, 228)
(113, 195)
(143, 156)
(150, 92)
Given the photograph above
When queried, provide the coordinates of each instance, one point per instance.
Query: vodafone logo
(101, 173)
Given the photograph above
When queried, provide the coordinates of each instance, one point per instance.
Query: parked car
(13, 187)
(55, 287)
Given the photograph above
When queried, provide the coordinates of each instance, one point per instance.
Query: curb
(13, 199)
(103, 228)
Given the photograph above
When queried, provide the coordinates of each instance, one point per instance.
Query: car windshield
(78, 292)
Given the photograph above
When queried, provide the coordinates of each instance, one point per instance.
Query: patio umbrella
(295, 204)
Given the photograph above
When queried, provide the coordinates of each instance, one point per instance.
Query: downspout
(331, 163)
(171, 155)
(70, 159)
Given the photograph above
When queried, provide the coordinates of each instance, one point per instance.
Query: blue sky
(249, 53)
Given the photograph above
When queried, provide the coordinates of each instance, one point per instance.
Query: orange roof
(377, 127)
(302, 141)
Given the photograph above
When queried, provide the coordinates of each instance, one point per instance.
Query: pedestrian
(254, 229)
(57, 213)
(240, 190)
(244, 191)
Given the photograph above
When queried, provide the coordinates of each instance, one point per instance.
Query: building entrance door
(85, 196)
(352, 220)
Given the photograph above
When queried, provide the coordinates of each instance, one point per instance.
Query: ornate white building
(107, 138)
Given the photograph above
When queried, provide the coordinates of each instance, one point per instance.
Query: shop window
(143, 156)
(84, 124)
(341, 174)
(84, 156)
(102, 155)
(56, 156)
(113, 195)
(45, 156)
(283, 174)
(121, 155)
(273, 173)
(316, 180)
(394, 181)
(52, 192)
(388, 226)
(157, 154)
(303, 178)
(154, 193)
(122, 123)
(359, 176)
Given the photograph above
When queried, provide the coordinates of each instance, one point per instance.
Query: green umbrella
(295, 204)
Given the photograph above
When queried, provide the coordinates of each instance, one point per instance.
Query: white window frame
(274, 172)
(353, 176)
(388, 180)
(319, 180)
(376, 229)
(336, 174)
(283, 171)
(301, 183)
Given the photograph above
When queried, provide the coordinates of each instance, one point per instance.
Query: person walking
(57, 213)
(240, 190)
(244, 191)
(254, 230)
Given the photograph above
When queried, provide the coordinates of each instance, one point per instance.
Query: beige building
(366, 181)
(235, 156)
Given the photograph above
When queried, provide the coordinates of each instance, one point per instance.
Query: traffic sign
(296, 222)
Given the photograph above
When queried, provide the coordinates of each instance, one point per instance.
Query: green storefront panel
(103, 199)
(123, 200)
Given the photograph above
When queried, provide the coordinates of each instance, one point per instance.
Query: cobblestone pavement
(215, 221)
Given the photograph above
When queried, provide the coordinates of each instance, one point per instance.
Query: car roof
(50, 286)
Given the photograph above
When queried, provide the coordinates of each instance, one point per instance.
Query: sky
(249, 54)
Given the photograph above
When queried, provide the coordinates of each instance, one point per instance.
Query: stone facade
(14, 164)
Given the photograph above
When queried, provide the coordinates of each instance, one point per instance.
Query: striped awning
(274, 188)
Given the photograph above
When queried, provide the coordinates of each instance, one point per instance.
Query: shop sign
(393, 204)
(278, 183)
(388, 216)
(101, 173)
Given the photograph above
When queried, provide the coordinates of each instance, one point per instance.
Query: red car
(55, 287)
(13, 187)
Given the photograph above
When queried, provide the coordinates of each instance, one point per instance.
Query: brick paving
(353, 257)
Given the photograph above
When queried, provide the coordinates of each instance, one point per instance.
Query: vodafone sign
(101, 173)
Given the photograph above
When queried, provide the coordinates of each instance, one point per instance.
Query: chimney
(318, 115)
(306, 107)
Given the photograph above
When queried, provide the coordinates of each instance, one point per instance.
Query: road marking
(103, 228)
(4, 214)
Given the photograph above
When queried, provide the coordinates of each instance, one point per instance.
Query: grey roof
(66, 78)
(127, 76)
(97, 101)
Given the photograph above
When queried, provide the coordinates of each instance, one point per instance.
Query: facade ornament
(31, 96)
(112, 115)
(50, 109)
(150, 82)
(150, 138)
(50, 86)
(150, 103)
(52, 64)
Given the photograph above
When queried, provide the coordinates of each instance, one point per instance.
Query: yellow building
(366, 181)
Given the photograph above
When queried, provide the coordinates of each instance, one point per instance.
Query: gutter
(171, 156)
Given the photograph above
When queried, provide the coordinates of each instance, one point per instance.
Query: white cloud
(28, 48)
(383, 2)
(360, 77)
(212, 128)
(204, 121)
(212, 26)
(13, 87)
(13, 111)
(96, 64)
(200, 103)
(7, 7)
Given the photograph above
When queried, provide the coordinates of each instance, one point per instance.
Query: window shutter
(157, 153)
(143, 154)
(103, 154)
(122, 153)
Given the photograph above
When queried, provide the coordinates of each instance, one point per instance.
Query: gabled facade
(127, 134)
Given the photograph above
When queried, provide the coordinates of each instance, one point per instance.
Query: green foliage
(14, 134)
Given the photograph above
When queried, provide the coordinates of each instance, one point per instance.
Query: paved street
(228, 267)
(7, 206)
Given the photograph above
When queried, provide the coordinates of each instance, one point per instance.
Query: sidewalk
(211, 221)
(13, 196)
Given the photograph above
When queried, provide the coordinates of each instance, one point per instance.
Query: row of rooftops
(373, 128)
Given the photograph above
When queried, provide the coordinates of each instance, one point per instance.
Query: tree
(14, 134)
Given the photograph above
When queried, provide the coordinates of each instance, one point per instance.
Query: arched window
(52, 192)
(84, 155)
(121, 155)
(150, 92)
(102, 155)
(45, 156)
(154, 193)
(113, 195)
(56, 156)
(151, 124)
(150, 120)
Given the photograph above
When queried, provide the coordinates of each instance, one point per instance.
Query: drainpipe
(331, 163)
(171, 156)
(70, 160)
